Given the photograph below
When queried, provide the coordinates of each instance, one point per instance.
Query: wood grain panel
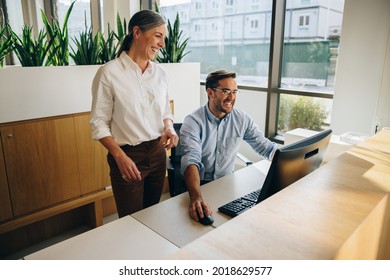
(5, 201)
(102, 170)
(41, 163)
(94, 170)
(85, 153)
(66, 167)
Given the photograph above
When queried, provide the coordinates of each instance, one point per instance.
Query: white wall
(383, 109)
(362, 75)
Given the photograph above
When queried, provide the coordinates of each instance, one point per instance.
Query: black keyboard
(239, 205)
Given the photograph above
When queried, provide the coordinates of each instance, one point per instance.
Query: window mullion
(276, 43)
(95, 16)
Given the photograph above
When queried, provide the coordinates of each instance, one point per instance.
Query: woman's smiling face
(151, 41)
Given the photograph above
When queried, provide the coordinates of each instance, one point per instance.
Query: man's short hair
(212, 80)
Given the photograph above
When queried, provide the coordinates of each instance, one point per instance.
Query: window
(79, 20)
(303, 64)
(255, 5)
(254, 24)
(13, 13)
(231, 44)
(80, 17)
(309, 62)
(304, 20)
(229, 2)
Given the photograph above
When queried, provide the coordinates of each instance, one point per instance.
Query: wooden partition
(51, 166)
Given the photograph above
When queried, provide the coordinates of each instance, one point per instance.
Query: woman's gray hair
(145, 20)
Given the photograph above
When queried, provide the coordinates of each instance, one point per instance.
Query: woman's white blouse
(128, 104)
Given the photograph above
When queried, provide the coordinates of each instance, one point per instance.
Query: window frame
(274, 90)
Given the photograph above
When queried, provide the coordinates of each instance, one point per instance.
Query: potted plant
(59, 52)
(96, 49)
(87, 48)
(175, 45)
(121, 30)
(29, 50)
(5, 44)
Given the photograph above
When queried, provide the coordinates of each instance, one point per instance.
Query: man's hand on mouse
(198, 205)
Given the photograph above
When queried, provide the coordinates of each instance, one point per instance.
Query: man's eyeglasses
(227, 91)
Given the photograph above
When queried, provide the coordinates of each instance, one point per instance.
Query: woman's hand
(127, 168)
(170, 138)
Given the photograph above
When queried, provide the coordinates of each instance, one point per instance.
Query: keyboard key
(241, 204)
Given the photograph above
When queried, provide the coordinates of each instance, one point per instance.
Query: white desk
(125, 239)
(158, 231)
(171, 220)
(339, 211)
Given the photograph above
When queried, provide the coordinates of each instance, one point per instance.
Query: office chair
(175, 179)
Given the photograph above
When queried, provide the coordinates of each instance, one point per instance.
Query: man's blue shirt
(212, 144)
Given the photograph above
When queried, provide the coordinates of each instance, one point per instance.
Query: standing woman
(131, 115)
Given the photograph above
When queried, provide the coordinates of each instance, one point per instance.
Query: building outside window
(308, 54)
(309, 61)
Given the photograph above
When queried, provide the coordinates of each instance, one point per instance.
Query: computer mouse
(206, 220)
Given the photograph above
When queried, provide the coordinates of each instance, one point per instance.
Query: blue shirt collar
(214, 119)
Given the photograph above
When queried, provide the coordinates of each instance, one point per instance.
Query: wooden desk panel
(340, 211)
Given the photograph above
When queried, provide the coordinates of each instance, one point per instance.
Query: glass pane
(15, 19)
(303, 112)
(311, 40)
(79, 17)
(226, 34)
(15, 15)
(310, 51)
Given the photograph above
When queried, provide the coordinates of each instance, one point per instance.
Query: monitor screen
(294, 161)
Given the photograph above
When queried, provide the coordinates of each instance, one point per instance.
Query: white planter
(37, 92)
(184, 79)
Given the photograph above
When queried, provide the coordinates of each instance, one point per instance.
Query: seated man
(211, 136)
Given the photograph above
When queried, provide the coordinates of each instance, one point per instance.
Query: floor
(39, 246)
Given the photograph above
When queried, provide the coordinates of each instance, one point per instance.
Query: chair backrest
(176, 151)
(176, 180)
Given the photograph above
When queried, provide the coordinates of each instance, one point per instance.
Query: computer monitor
(294, 161)
(289, 164)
